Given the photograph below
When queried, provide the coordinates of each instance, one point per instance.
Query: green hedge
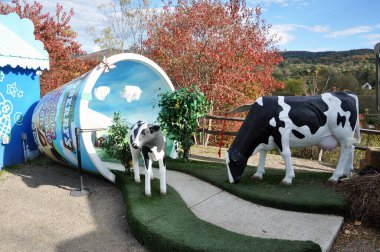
(164, 223)
(308, 193)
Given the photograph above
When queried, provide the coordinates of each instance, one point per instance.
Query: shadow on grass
(164, 223)
(309, 192)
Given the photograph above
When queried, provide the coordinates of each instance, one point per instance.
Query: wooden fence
(239, 119)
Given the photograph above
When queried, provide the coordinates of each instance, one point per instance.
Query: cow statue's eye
(143, 133)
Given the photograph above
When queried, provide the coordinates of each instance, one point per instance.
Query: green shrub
(179, 115)
(116, 144)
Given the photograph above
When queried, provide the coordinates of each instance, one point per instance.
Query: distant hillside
(328, 57)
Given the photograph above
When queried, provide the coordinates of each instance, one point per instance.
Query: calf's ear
(154, 128)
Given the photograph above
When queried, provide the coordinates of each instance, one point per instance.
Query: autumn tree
(223, 48)
(58, 38)
(125, 25)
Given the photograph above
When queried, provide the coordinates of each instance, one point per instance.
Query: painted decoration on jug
(130, 86)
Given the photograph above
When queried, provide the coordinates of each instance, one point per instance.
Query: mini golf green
(309, 192)
(164, 223)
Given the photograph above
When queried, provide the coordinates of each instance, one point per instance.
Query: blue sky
(319, 25)
(311, 25)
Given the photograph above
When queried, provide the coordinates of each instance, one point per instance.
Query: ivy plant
(116, 144)
(179, 115)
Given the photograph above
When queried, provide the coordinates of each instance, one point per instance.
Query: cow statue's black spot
(307, 111)
(257, 122)
(348, 104)
(298, 134)
(340, 119)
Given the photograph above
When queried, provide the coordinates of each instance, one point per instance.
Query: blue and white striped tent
(22, 58)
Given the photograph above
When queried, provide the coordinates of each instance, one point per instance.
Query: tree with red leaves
(59, 40)
(223, 48)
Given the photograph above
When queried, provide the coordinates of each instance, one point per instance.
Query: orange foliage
(223, 48)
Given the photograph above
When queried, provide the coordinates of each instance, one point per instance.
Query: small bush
(363, 195)
(116, 144)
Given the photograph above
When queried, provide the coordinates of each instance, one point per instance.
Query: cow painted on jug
(148, 140)
(285, 122)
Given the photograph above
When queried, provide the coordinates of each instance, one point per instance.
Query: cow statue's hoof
(332, 181)
(138, 181)
(286, 182)
(257, 177)
(148, 194)
(163, 193)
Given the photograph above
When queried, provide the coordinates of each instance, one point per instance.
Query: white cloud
(101, 92)
(350, 32)
(131, 93)
(86, 13)
(283, 31)
(371, 39)
(282, 3)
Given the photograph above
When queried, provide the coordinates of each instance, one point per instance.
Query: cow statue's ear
(154, 128)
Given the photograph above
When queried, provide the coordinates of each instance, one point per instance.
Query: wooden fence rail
(239, 119)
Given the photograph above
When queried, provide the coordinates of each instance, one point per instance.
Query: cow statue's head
(236, 163)
(143, 133)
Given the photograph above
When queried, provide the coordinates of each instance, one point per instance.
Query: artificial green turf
(164, 223)
(308, 193)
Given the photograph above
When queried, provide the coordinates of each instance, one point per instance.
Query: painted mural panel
(131, 86)
(19, 92)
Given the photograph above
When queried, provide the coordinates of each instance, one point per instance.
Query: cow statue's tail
(357, 127)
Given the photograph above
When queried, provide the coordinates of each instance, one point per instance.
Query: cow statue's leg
(344, 160)
(287, 156)
(148, 174)
(135, 161)
(162, 171)
(350, 162)
(261, 167)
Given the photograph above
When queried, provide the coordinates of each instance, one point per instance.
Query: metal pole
(82, 191)
(377, 62)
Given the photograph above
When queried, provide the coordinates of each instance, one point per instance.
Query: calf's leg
(162, 171)
(148, 174)
(135, 161)
(261, 167)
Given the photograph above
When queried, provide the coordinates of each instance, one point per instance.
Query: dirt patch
(37, 212)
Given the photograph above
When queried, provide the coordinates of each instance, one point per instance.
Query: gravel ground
(37, 213)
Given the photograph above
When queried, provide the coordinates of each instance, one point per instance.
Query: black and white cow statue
(286, 122)
(149, 140)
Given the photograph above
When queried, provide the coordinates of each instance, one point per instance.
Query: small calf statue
(149, 140)
(293, 122)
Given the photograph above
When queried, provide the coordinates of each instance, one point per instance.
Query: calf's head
(236, 164)
(144, 133)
